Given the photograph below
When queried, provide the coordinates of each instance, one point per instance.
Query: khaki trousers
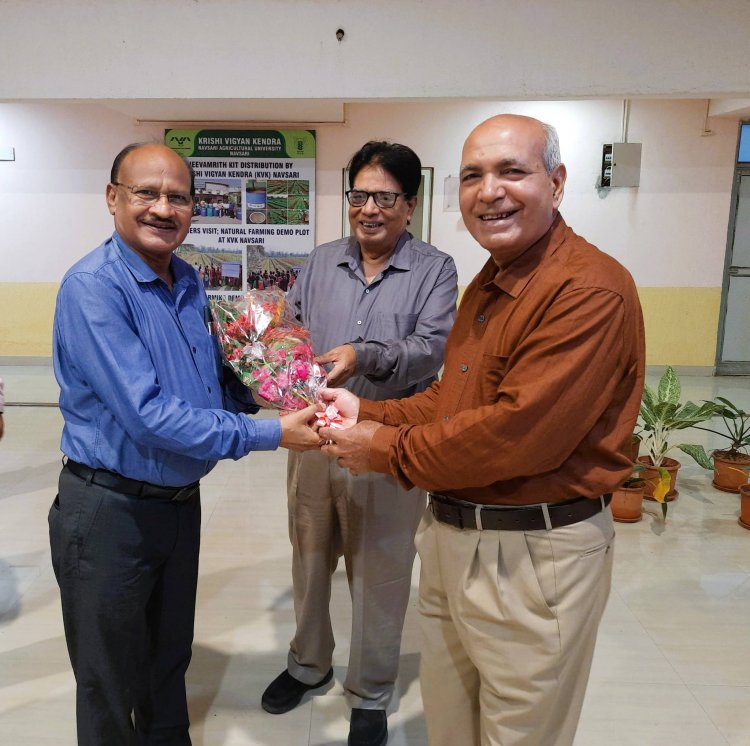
(509, 625)
(371, 521)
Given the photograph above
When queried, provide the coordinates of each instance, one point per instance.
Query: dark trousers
(127, 570)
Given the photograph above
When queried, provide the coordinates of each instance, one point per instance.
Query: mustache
(160, 223)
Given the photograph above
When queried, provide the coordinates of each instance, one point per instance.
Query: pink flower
(269, 391)
(300, 370)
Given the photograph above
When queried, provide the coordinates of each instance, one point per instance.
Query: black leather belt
(132, 487)
(463, 514)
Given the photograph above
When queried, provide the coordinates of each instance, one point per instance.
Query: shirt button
(480, 318)
(445, 418)
(209, 389)
(464, 368)
(194, 350)
(359, 323)
(367, 291)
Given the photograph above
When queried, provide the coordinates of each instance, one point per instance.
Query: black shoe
(285, 692)
(368, 728)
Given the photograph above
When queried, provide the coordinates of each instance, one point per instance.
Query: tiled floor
(672, 665)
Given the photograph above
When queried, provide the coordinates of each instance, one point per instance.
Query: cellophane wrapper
(270, 352)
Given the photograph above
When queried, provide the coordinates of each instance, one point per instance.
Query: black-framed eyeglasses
(359, 197)
(144, 196)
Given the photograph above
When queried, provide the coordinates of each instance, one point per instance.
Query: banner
(253, 222)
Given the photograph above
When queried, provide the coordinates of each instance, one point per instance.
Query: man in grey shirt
(380, 304)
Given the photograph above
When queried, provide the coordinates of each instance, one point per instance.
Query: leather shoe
(285, 692)
(368, 728)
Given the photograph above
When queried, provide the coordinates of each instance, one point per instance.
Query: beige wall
(670, 232)
(680, 323)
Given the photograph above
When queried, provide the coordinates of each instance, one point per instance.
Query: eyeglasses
(145, 196)
(359, 197)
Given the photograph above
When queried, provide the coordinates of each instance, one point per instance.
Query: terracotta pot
(744, 519)
(730, 470)
(631, 447)
(627, 503)
(651, 477)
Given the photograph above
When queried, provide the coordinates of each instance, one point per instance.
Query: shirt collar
(141, 271)
(514, 278)
(399, 259)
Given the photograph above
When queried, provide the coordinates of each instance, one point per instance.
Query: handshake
(346, 440)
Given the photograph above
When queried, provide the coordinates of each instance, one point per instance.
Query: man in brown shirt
(519, 444)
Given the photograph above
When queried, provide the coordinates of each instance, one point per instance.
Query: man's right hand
(297, 433)
(345, 402)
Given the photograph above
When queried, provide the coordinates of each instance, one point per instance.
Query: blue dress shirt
(139, 374)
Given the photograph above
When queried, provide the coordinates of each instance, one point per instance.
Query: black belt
(463, 514)
(132, 487)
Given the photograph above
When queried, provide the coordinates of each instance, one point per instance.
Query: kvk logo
(181, 141)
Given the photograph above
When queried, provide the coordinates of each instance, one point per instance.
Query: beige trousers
(509, 625)
(371, 521)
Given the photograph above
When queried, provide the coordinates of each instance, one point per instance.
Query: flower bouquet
(270, 352)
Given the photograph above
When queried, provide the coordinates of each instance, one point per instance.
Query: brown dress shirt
(541, 387)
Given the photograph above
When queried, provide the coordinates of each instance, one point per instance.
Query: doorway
(733, 348)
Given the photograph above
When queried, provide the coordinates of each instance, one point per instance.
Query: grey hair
(551, 155)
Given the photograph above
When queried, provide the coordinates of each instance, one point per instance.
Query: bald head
(549, 141)
(511, 184)
(156, 148)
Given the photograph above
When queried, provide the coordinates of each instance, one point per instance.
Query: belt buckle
(183, 494)
(448, 511)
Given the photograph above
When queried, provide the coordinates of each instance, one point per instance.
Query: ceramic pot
(627, 503)
(730, 470)
(651, 476)
(744, 519)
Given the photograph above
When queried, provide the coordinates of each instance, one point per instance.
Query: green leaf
(648, 399)
(647, 415)
(698, 454)
(669, 386)
(736, 411)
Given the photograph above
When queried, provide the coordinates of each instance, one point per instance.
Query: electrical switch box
(621, 164)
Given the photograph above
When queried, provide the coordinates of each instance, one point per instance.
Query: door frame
(722, 368)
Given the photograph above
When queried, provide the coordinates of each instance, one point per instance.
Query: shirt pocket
(392, 325)
(491, 375)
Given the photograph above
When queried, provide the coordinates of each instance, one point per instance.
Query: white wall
(671, 231)
(255, 49)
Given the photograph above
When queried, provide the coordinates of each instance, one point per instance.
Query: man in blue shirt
(147, 412)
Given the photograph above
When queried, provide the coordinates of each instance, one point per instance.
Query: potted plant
(662, 414)
(744, 519)
(731, 465)
(627, 497)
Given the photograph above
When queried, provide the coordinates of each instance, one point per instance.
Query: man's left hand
(343, 358)
(350, 447)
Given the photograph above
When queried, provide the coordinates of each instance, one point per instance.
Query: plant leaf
(698, 454)
(669, 386)
(648, 398)
(737, 412)
(662, 487)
